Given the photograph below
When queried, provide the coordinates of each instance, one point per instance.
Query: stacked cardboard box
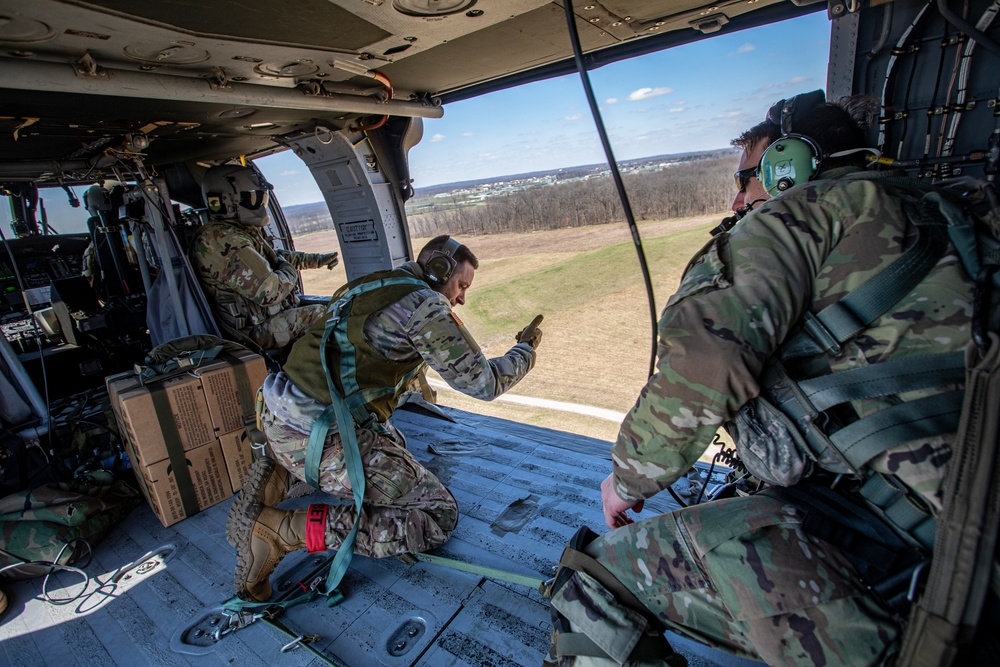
(184, 432)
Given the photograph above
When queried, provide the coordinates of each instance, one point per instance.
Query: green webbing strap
(338, 410)
(237, 605)
(868, 437)
(176, 366)
(356, 475)
(317, 439)
(348, 354)
(356, 401)
(895, 376)
(482, 570)
(896, 507)
(175, 450)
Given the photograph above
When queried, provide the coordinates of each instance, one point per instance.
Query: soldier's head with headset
(448, 267)
(800, 137)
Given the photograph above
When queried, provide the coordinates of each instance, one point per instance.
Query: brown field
(588, 284)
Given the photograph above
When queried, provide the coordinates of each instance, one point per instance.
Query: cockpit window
(54, 210)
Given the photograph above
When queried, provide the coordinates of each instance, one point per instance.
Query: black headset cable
(615, 174)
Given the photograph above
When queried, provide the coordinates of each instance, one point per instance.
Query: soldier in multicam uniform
(251, 286)
(399, 322)
(769, 576)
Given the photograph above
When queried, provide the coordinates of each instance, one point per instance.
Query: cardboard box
(175, 494)
(152, 416)
(184, 433)
(238, 452)
(231, 388)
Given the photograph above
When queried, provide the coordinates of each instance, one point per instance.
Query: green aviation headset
(794, 158)
(442, 263)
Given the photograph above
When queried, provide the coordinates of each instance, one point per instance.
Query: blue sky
(690, 98)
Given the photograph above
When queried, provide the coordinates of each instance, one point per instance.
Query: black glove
(531, 334)
(328, 260)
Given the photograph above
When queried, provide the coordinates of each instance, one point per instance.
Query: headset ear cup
(788, 162)
(438, 269)
(442, 263)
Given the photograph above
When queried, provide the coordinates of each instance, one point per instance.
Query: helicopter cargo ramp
(154, 593)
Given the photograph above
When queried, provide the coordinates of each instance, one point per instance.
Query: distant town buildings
(307, 218)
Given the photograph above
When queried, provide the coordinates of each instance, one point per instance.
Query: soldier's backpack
(58, 522)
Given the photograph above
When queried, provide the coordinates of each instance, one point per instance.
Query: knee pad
(597, 621)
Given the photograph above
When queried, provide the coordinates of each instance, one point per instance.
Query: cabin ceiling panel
(308, 22)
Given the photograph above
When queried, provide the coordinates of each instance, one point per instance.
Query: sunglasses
(743, 177)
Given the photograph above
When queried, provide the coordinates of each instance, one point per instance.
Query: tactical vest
(793, 428)
(232, 309)
(371, 395)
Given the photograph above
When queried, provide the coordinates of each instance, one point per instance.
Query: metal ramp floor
(522, 492)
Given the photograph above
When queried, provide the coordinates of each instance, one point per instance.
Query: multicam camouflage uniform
(742, 574)
(251, 286)
(406, 509)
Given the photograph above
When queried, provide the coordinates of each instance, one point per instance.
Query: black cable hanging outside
(619, 185)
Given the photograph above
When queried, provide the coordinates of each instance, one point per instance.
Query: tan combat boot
(267, 483)
(264, 536)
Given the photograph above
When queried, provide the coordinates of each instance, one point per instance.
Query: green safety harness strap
(347, 412)
(356, 397)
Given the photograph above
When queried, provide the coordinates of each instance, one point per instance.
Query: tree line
(685, 189)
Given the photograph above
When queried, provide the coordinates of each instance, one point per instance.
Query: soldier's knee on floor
(596, 621)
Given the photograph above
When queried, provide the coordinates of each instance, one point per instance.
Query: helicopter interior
(138, 100)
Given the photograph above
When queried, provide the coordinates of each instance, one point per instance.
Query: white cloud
(677, 110)
(728, 114)
(794, 81)
(576, 116)
(468, 134)
(290, 172)
(611, 100)
(438, 137)
(746, 48)
(646, 93)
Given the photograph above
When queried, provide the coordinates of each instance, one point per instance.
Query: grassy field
(588, 284)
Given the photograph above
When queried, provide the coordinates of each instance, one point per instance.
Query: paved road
(588, 410)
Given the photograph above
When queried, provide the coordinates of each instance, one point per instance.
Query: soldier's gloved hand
(329, 260)
(531, 334)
